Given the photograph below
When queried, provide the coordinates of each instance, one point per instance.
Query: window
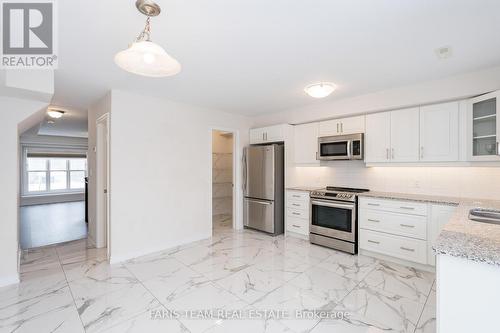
(55, 174)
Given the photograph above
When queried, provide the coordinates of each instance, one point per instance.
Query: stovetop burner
(346, 189)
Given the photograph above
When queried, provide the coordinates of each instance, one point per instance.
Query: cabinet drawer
(295, 204)
(297, 225)
(298, 213)
(394, 223)
(297, 196)
(397, 246)
(397, 206)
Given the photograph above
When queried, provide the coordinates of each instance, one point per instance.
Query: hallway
(43, 225)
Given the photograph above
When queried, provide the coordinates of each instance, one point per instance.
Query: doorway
(222, 181)
(102, 184)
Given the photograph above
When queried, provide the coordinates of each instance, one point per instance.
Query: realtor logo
(28, 34)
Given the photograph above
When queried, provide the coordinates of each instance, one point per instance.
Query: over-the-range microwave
(341, 147)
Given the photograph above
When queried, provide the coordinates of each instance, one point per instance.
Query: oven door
(333, 219)
(334, 150)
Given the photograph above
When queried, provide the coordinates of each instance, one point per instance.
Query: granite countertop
(304, 188)
(460, 237)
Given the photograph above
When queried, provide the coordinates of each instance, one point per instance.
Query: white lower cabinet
(394, 228)
(297, 212)
(440, 215)
(396, 246)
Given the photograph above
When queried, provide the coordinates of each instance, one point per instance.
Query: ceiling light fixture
(56, 114)
(143, 57)
(320, 90)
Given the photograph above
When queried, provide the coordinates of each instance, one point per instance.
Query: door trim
(101, 241)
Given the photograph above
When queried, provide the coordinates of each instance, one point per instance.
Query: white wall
(95, 111)
(12, 112)
(452, 88)
(161, 172)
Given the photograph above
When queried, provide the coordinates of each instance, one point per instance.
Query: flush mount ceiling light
(143, 57)
(320, 89)
(56, 114)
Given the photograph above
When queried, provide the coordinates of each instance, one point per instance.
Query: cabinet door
(274, 133)
(352, 125)
(329, 127)
(439, 132)
(440, 215)
(405, 135)
(484, 127)
(257, 135)
(306, 143)
(378, 137)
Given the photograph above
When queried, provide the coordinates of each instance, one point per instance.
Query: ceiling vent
(443, 52)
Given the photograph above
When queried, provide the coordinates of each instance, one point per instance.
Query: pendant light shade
(143, 57)
(148, 59)
(320, 90)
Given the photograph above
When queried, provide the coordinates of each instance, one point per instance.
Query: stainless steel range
(334, 220)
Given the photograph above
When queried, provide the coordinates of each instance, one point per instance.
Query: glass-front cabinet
(484, 127)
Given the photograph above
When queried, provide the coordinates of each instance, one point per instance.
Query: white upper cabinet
(342, 126)
(405, 135)
(392, 136)
(378, 137)
(274, 133)
(306, 143)
(439, 140)
(484, 127)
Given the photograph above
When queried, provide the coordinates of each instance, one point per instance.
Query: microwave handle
(349, 149)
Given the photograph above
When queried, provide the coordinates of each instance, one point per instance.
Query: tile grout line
(154, 296)
(70, 291)
(423, 308)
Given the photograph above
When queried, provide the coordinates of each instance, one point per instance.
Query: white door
(405, 135)
(329, 127)
(378, 137)
(352, 125)
(306, 143)
(439, 132)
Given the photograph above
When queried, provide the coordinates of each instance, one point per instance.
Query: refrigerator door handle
(244, 170)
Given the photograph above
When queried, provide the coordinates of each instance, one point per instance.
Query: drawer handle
(296, 205)
(405, 207)
(376, 221)
(407, 249)
(294, 213)
(372, 204)
(407, 225)
(295, 226)
(372, 241)
(296, 196)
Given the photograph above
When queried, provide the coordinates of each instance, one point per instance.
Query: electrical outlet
(416, 184)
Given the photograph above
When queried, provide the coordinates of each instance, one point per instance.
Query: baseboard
(402, 262)
(51, 198)
(9, 280)
(114, 259)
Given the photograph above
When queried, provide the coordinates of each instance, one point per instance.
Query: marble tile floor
(72, 288)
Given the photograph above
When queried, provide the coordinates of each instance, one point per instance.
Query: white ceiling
(72, 124)
(254, 57)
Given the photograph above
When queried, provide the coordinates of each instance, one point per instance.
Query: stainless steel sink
(485, 215)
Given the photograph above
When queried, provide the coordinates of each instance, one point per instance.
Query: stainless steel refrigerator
(263, 186)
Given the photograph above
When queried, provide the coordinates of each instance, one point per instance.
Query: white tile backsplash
(471, 182)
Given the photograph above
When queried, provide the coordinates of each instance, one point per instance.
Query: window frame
(48, 191)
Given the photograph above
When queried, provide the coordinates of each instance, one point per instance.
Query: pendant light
(143, 57)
